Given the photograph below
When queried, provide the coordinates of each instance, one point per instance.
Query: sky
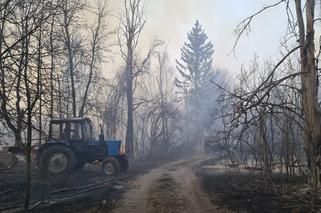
(171, 20)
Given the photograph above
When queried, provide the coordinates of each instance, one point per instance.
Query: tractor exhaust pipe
(101, 135)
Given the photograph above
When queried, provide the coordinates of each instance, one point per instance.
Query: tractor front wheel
(56, 159)
(111, 166)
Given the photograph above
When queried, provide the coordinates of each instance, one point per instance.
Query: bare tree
(309, 78)
(22, 59)
(129, 31)
(72, 40)
(304, 30)
(98, 34)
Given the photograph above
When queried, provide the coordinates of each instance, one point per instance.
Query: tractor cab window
(75, 131)
(58, 131)
(88, 131)
(55, 131)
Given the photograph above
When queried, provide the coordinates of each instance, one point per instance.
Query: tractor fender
(53, 142)
(48, 144)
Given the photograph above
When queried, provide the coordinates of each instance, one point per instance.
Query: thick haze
(170, 20)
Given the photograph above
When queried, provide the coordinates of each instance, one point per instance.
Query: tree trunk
(309, 89)
(129, 93)
(28, 159)
(91, 70)
(52, 69)
(71, 64)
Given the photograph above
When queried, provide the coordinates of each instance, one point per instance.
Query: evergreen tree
(195, 69)
(195, 66)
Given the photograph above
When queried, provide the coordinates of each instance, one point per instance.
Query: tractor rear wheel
(56, 159)
(111, 166)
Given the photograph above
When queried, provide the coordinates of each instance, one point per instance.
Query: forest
(79, 78)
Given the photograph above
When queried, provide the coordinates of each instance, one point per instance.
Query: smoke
(170, 20)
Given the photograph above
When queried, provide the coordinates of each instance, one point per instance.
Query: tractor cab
(77, 133)
(71, 143)
(76, 129)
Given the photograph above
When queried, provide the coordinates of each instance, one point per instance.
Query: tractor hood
(112, 146)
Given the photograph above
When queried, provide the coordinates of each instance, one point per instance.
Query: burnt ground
(87, 190)
(186, 185)
(246, 191)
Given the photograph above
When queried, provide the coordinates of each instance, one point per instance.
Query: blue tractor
(71, 144)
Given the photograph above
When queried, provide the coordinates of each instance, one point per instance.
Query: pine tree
(195, 66)
(195, 69)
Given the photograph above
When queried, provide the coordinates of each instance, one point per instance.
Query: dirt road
(169, 188)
